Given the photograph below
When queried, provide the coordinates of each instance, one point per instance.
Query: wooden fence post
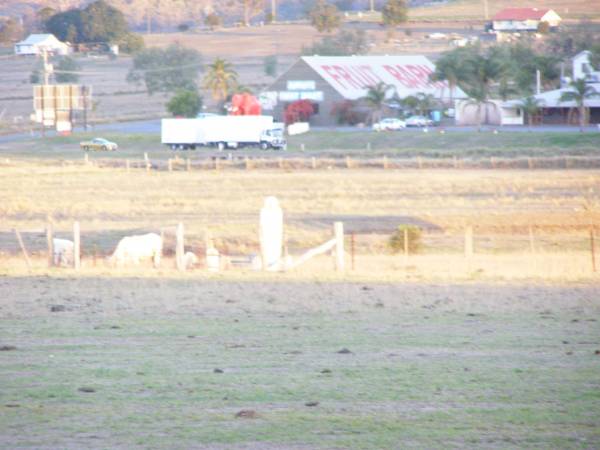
(530, 163)
(76, 246)
(23, 249)
(247, 162)
(531, 242)
(50, 242)
(170, 164)
(348, 163)
(179, 247)
(455, 160)
(280, 162)
(338, 229)
(385, 162)
(127, 165)
(469, 242)
(352, 248)
(593, 248)
(86, 159)
(147, 162)
(405, 246)
(313, 162)
(420, 162)
(188, 165)
(368, 146)
(301, 147)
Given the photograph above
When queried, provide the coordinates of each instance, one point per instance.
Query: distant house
(524, 19)
(553, 110)
(34, 44)
(330, 81)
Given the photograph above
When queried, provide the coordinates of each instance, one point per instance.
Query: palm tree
(375, 98)
(579, 93)
(531, 107)
(220, 79)
(425, 103)
(448, 68)
(480, 71)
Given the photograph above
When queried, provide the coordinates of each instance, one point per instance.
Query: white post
(338, 229)
(50, 242)
(271, 234)
(469, 242)
(76, 246)
(179, 248)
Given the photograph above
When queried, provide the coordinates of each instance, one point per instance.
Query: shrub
(212, 21)
(270, 64)
(345, 113)
(131, 43)
(185, 103)
(70, 66)
(396, 241)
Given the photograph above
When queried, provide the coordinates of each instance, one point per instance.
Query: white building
(34, 44)
(524, 19)
(328, 81)
(553, 110)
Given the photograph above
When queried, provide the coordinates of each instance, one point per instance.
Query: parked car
(418, 121)
(389, 124)
(98, 144)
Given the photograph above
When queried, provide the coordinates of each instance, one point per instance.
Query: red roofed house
(524, 19)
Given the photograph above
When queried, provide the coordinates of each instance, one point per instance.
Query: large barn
(327, 81)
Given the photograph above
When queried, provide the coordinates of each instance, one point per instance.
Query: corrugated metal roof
(521, 14)
(37, 39)
(352, 76)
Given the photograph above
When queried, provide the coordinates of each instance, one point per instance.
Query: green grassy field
(428, 366)
(407, 143)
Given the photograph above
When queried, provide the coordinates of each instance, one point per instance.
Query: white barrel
(271, 233)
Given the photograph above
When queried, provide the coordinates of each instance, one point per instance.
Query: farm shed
(34, 44)
(327, 81)
(524, 19)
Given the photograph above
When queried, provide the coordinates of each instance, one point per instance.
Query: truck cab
(273, 138)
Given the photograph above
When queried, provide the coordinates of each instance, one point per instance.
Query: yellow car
(98, 144)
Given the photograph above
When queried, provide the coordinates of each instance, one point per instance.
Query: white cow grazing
(62, 254)
(133, 248)
(189, 260)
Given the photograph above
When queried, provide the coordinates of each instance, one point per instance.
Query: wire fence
(231, 162)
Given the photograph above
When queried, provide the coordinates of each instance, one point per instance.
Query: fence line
(344, 162)
(475, 248)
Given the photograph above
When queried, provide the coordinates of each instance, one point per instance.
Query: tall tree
(103, 23)
(394, 12)
(449, 68)
(324, 17)
(481, 70)
(250, 9)
(166, 70)
(579, 92)
(220, 79)
(375, 98)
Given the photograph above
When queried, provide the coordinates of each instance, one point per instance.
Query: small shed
(34, 44)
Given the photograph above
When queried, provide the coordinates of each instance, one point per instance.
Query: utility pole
(486, 11)
(372, 5)
(274, 10)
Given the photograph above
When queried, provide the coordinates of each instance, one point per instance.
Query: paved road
(153, 127)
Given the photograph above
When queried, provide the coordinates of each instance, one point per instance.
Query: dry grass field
(474, 9)
(526, 223)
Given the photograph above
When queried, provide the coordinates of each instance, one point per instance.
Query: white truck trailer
(223, 132)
